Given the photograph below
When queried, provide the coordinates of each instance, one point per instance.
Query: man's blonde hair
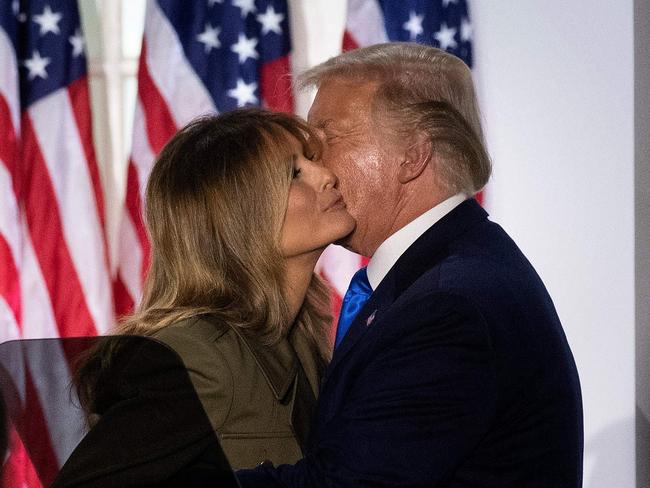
(421, 89)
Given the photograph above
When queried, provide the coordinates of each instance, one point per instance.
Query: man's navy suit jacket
(456, 373)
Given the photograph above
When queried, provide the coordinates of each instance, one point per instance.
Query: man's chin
(347, 242)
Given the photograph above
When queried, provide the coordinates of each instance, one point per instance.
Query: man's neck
(390, 250)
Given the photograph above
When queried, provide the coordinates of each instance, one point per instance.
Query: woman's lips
(336, 204)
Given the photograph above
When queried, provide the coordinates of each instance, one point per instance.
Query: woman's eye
(296, 172)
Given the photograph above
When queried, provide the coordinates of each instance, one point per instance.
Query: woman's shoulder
(199, 342)
(203, 329)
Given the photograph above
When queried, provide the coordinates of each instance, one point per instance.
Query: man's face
(355, 151)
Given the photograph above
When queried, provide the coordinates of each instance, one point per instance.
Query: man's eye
(296, 172)
(331, 138)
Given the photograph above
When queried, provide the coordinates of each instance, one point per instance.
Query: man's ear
(416, 157)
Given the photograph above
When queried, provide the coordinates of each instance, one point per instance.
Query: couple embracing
(450, 367)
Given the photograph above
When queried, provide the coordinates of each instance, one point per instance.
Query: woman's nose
(328, 178)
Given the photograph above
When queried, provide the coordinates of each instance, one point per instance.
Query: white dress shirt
(392, 248)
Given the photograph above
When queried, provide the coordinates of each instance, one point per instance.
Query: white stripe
(366, 22)
(170, 70)
(66, 162)
(141, 153)
(337, 265)
(11, 359)
(49, 372)
(51, 377)
(9, 227)
(9, 330)
(37, 314)
(130, 256)
(9, 79)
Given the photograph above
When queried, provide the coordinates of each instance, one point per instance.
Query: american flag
(441, 23)
(54, 273)
(197, 57)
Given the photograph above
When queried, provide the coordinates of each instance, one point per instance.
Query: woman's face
(316, 213)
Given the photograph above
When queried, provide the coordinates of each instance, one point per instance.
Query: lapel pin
(371, 318)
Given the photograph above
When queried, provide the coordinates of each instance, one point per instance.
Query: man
(456, 371)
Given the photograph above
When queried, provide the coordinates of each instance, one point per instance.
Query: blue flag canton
(440, 23)
(49, 45)
(228, 41)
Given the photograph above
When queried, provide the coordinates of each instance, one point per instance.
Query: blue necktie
(358, 293)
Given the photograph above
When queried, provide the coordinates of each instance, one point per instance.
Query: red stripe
(275, 85)
(124, 304)
(36, 435)
(9, 281)
(80, 101)
(134, 207)
(18, 470)
(44, 222)
(349, 43)
(9, 142)
(335, 306)
(158, 119)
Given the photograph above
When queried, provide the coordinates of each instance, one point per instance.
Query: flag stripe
(18, 470)
(141, 154)
(366, 23)
(9, 284)
(275, 85)
(64, 425)
(31, 429)
(158, 119)
(37, 313)
(9, 226)
(73, 196)
(65, 292)
(9, 79)
(171, 71)
(136, 219)
(123, 301)
(8, 138)
(79, 100)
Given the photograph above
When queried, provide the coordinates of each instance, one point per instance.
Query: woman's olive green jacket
(259, 399)
(163, 404)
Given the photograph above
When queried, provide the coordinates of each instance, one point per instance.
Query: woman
(238, 210)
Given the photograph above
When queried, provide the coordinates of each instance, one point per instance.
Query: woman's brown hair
(215, 205)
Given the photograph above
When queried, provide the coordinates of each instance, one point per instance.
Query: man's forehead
(338, 99)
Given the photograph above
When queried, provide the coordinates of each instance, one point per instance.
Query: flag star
(245, 48)
(48, 21)
(36, 66)
(270, 21)
(210, 37)
(445, 3)
(77, 42)
(212, 2)
(414, 25)
(466, 31)
(244, 93)
(15, 7)
(246, 6)
(445, 36)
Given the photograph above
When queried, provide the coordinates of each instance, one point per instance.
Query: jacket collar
(421, 256)
(278, 362)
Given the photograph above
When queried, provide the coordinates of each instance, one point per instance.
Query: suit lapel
(428, 250)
